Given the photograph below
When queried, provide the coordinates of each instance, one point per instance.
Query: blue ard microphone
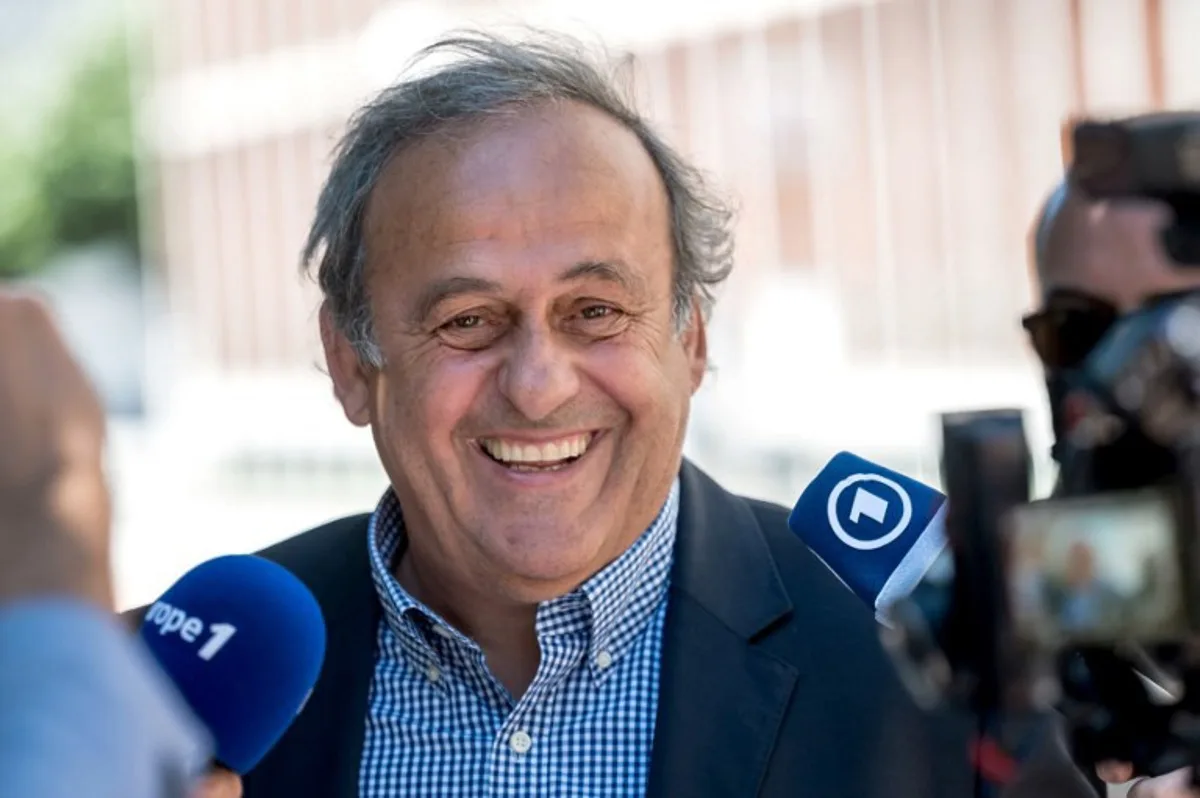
(243, 640)
(883, 534)
(878, 531)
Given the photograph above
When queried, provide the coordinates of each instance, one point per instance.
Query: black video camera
(1125, 517)
(1087, 602)
(1154, 156)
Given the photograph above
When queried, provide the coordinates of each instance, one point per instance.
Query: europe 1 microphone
(243, 640)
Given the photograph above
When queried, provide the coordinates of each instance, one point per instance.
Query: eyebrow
(441, 290)
(614, 272)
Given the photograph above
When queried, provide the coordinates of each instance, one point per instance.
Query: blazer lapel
(321, 752)
(721, 699)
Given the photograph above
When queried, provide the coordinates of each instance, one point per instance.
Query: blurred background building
(888, 158)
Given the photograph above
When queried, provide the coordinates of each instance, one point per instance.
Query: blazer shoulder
(835, 635)
(769, 514)
(333, 559)
(324, 548)
(821, 601)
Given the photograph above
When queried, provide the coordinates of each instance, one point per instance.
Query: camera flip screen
(1096, 569)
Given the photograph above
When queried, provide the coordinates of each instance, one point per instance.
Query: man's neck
(504, 629)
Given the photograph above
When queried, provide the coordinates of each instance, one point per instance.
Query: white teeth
(550, 453)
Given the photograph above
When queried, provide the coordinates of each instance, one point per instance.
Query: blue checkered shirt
(439, 724)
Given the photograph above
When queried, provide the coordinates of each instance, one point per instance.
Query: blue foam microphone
(243, 640)
(879, 531)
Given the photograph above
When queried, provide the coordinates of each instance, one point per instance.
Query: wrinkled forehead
(555, 160)
(552, 186)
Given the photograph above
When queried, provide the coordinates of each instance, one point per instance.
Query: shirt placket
(522, 753)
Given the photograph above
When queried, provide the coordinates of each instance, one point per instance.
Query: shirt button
(520, 742)
(603, 660)
(442, 631)
(432, 673)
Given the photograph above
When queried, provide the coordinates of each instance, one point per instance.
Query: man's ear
(695, 345)
(351, 383)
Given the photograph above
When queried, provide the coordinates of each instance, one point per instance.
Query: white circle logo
(875, 512)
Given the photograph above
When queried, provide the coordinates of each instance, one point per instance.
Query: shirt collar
(610, 609)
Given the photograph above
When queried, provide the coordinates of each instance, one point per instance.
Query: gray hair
(491, 76)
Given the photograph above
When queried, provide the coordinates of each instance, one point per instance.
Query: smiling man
(517, 273)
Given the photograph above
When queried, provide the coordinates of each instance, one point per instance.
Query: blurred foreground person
(83, 710)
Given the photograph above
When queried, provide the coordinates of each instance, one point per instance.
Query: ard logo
(866, 512)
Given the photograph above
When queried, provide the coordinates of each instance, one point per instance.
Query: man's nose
(539, 376)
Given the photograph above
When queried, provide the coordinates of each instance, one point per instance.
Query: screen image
(1097, 568)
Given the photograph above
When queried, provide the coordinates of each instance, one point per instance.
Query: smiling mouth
(548, 456)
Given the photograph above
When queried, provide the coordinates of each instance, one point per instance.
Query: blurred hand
(54, 503)
(1176, 784)
(219, 784)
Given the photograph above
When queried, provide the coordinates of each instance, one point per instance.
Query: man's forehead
(542, 162)
(535, 140)
(542, 201)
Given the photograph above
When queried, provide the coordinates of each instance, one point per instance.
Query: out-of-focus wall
(888, 158)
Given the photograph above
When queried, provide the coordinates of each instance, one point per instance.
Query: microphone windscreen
(243, 639)
(877, 530)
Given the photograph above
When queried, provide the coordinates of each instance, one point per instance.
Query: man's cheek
(447, 405)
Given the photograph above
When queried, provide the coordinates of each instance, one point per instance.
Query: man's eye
(599, 321)
(471, 331)
(466, 322)
(597, 312)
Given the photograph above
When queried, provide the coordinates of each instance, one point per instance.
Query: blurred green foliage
(72, 181)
